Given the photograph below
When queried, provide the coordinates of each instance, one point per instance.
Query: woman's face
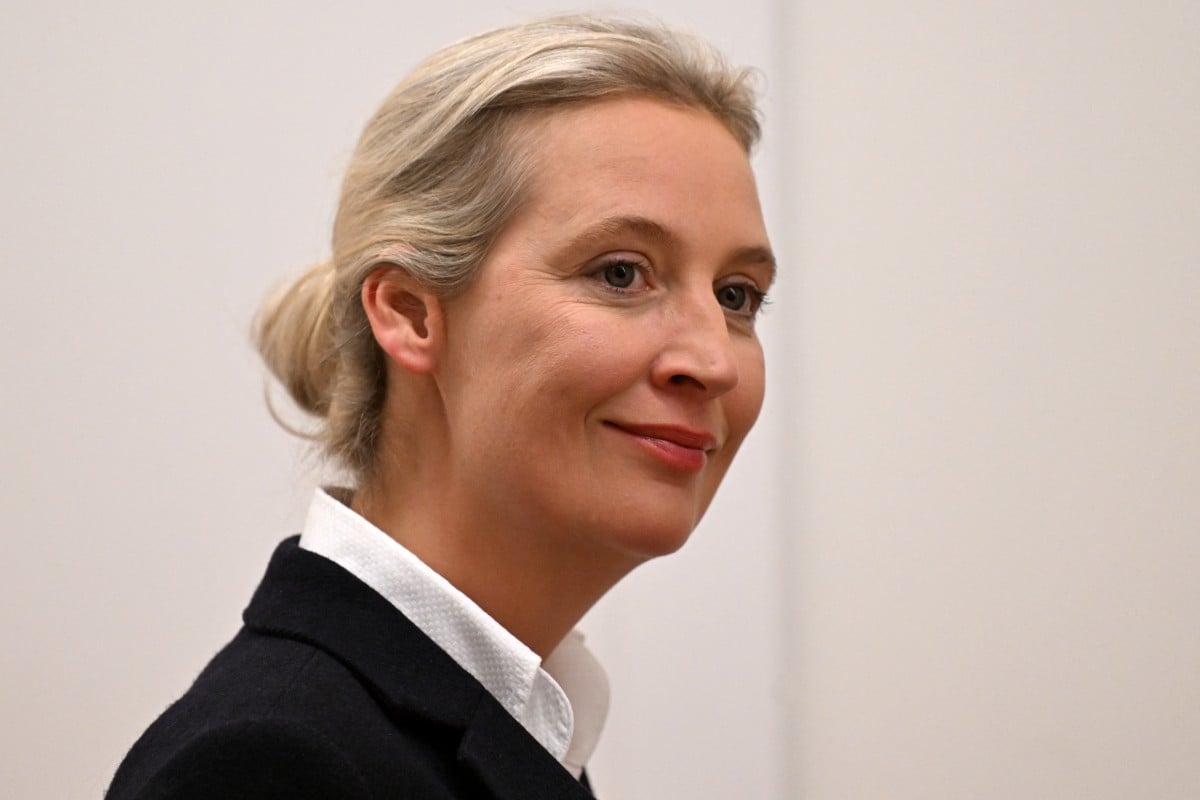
(603, 369)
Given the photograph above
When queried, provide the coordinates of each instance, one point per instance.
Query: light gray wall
(957, 557)
(996, 388)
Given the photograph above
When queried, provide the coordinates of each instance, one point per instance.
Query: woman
(534, 353)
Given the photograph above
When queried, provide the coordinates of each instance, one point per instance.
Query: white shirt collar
(562, 702)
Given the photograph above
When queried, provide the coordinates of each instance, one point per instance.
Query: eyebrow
(653, 231)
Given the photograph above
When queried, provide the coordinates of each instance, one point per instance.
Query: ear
(405, 316)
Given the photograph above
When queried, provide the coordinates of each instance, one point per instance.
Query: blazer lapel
(508, 760)
(311, 599)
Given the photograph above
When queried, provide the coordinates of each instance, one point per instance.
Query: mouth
(676, 446)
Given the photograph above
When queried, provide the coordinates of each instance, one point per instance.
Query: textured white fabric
(563, 703)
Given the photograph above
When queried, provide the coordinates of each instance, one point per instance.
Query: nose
(697, 351)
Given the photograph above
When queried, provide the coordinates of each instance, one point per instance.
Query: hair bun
(293, 334)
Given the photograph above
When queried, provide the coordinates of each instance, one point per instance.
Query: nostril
(683, 379)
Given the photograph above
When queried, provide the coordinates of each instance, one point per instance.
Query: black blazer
(329, 692)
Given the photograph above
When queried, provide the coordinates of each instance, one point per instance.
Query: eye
(620, 274)
(740, 298)
(733, 297)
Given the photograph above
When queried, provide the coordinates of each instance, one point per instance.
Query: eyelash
(756, 298)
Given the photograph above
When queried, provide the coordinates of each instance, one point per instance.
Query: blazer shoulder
(262, 759)
(273, 717)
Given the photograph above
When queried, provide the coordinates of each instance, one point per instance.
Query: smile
(678, 447)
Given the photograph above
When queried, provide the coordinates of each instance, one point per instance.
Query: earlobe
(405, 317)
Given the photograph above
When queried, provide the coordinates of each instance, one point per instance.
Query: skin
(622, 294)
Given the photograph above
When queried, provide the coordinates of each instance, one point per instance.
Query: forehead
(635, 138)
(637, 157)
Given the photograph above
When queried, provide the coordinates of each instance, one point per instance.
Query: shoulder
(234, 727)
(234, 734)
(261, 759)
(271, 717)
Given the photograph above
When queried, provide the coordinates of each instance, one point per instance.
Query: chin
(643, 525)
(649, 538)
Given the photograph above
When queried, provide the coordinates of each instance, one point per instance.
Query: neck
(537, 583)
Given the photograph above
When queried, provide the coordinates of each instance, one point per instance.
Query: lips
(675, 434)
(676, 446)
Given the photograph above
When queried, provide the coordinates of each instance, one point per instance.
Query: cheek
(582, 350)
(745, 402)
(741, 407)
(553, 364)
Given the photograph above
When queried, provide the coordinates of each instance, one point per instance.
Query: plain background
(959, 557)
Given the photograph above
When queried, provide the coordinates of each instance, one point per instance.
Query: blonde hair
(437, 173)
